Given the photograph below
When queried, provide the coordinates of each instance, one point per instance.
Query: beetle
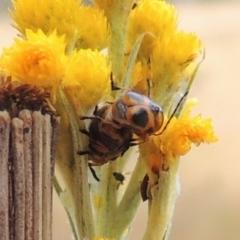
(112, 126)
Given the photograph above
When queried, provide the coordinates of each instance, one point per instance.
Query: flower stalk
(161, 204)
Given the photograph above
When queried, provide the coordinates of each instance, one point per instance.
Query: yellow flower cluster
(83, 26)
(87, 77)
(154, 18)
(40, 60)
(178, 137)
(93, 28)
(64, 53)
(172, 55)
(168, 56)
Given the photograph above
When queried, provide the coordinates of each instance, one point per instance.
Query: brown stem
(37, 174)
(54, 136)
(47, 179)
(18, 179)
(26, 117)
(4, 193)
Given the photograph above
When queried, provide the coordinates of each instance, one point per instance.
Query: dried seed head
(15, 98)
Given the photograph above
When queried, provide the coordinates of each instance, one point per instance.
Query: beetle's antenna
(148, 84)
(173, 113)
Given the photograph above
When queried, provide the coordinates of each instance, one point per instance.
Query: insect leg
(89, 117)
(93, 172)
(83, 152)
(85, 132)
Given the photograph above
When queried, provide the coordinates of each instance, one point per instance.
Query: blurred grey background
(208, 207)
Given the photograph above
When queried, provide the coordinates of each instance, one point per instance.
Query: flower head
(155, 18)
(93, 29)
(172, 55)
(38, 60)
(178, 137)
(87, 77)
(50, 15)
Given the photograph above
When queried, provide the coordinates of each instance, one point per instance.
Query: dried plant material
(4, 175)
(37, 159)
(47, 178)
(26, 117)
(18, 179)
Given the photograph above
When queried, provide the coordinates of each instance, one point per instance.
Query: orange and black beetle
(113, 125)
(138, 113)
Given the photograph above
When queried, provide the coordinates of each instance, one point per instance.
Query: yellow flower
(157, 18)
(172, 55)
(48, 15)
(93, 29)
(87, 78)
(184, 131)
(38, 60)
(178, 137)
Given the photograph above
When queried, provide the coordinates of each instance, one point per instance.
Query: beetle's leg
(93, 172)
(95, 110)
(89, 117)
(85, 132)
(90, 164)
(83, 152)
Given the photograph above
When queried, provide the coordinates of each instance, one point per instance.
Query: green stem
(129, 203)
(118, 20)
(79, 169)
(161, 204)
